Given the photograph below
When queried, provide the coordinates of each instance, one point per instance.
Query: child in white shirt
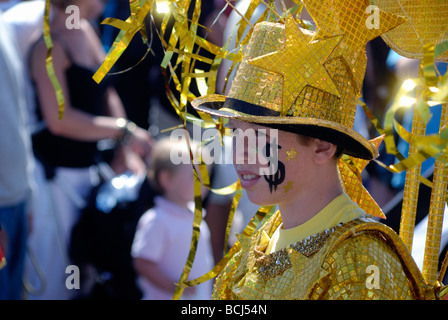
(163, 235)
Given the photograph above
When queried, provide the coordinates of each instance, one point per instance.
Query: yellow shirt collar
(340, 209)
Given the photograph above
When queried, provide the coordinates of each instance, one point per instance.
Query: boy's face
(276, 168)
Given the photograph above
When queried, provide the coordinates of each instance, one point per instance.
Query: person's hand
(125, 158)
(139, 139)
(142, 142)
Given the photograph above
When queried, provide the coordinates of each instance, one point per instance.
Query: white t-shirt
(163, 235)
(26, 22)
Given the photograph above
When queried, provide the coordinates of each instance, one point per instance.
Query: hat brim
(349, 140)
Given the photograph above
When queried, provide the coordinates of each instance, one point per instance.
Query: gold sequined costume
(309, 83)
(334, 264)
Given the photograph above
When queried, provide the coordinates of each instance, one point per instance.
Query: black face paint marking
(279, 176)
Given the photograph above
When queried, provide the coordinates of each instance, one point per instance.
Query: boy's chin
(258, 199)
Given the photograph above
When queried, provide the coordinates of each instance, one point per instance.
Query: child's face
(179, 188)
(292, 160)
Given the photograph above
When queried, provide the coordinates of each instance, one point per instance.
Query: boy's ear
(323, 151)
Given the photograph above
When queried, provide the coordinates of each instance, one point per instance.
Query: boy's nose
(244, 149)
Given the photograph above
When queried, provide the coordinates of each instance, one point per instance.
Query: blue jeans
(13, 220)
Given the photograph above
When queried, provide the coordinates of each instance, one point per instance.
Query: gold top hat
(300, 81)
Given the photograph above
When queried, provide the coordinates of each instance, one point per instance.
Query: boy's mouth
(248, 176)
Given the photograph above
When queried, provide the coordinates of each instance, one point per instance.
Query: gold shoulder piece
(365, 225)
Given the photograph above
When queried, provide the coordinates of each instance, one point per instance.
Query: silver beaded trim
(275, 263)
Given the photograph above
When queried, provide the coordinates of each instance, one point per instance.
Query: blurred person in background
(67, 147)
(16, 165)
(163, 236)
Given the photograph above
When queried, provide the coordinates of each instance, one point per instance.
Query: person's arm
(75, 123)
(151, 271)
(113, 104)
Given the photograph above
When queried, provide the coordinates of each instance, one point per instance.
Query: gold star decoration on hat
(357, 22)
(350, 169)
(300, 63)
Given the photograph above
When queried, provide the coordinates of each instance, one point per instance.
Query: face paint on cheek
(291, 154)
(277, 178)
(289, 185)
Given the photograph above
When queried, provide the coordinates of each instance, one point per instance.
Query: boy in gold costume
(321, 243)
(301, 88)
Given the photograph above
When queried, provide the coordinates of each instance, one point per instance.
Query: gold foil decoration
(235, 201)
(335, 17)
(49, 60)
(128, 29)
(426, 28)
(198, 213)
(436, 212)
(427, 24)
(350, 169)
(326, 265)
(264, 213)
(300, 63)
(345, 61)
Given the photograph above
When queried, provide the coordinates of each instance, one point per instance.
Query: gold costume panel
(361, 259)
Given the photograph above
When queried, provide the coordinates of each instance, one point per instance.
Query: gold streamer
(403, 165)
(194, 239)
(350, 169)
(128, 29)
(235, 201)
(49, 61)
(412, 185)
(198, 216)
(263, 214)
(443, 269)
(436, 211)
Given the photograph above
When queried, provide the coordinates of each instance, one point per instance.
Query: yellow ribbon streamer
(128, 29)
(49, 61)
(198, 215)
(235, 201)
(263, 214)
(350, 169)
(194, 239)
(436, 212)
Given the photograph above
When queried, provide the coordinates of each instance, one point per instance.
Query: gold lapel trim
(275, 263)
